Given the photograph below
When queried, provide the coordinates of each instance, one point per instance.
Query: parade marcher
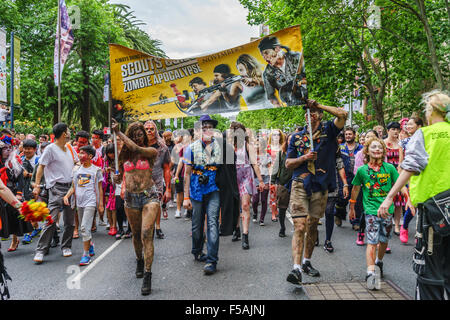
(264, 161)
(57, 163)
(313, 177)
(29, 162)
(109, 189)
(11, 174)
(332, 200)
(88, 191)
(375, 179)
(142, 205)
(179, 175)
(281, 178)
(412, 126)
(359, 161)
(276, 141)
(395, 155)
(427, 167)
(380, 131)
(247, 168)
(9, 198)
(161, 172)
(226, 180)
(349, 149)
(201, 193)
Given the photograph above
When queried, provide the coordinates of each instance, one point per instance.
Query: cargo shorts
(302, 206)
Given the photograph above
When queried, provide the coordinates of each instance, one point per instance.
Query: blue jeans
(209, 206)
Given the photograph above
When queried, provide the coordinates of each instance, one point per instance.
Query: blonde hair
(366, 149)
(438, 101)
(282, 137)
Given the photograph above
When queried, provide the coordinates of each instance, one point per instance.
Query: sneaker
(159, 234)
(38, 257)
(261, 223)
(113, 231)
(379, 264)
(360, 239)
(165, 214)
(36, 232)
(102, 223)
(338, 221)
(328, 247)
(67, 252)
(295, 277)
(120, 234)
(388, 250)
(177, 214)
(27, 239)
(282, 233)
(255, 218)
(309, 270)
(171, 204)
(200, 257)
(85, 260)
(373, 281)
(209, 269)
(91, 250)
(403, 235)
(128, 234)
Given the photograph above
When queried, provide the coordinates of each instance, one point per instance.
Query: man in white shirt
(56, 164)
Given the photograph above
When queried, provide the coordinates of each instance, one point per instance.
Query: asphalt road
(256, 274)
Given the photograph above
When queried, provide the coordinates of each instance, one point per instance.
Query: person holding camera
(314, 175)
(427, 167)
(201, 193)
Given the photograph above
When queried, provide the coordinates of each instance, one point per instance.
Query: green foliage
(391, 66)
(34, 22)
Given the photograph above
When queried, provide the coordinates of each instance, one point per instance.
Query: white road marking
(96, 261)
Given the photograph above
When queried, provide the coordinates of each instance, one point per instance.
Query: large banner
(3, 93)
(265, 73)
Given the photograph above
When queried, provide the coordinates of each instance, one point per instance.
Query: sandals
(75, 235)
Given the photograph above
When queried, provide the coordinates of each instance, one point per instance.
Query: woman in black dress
(11, 174)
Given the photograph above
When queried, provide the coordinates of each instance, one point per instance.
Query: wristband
(346, 185)
(352, 201)
(16, 204)
(187, 198)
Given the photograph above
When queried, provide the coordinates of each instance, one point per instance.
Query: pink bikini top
(140, 165)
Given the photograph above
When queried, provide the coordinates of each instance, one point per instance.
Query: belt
(68, 184)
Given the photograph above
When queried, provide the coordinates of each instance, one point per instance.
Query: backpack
(437, 213)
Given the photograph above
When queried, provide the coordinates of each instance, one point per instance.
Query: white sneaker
(67, 252)
(102, 223)
(38, 257)
(177, 214)
(171, 204)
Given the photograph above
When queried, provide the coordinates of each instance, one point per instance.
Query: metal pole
(116, 159)
(308, 112)
(12, 81)
(351, 111)
(59, 62)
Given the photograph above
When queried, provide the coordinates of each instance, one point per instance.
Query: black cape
(226, 180)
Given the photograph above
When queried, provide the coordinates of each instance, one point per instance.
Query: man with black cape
(226, 180)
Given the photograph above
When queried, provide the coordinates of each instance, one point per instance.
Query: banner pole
(116, 160)
(12, 80)
(59, 62)
(310, 129)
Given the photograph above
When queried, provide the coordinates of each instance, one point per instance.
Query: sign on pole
(16, 71)
(3, 85)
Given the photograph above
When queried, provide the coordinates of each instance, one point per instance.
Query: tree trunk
(86, 106)
(431, 46)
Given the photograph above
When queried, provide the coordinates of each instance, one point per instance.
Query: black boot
(140, 268)
(147, 284)
(236, 234)
(245, 244)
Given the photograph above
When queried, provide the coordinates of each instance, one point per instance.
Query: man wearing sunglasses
(201, 193)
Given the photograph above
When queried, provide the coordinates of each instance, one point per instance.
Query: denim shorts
(139, 200)
(378, 229)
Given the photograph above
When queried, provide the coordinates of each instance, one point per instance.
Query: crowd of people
(222, 181)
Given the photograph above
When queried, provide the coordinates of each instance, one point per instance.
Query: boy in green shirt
(375, 178)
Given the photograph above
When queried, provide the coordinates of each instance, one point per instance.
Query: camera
(203, 180)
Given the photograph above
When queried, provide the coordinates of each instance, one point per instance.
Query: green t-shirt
(375, 186)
